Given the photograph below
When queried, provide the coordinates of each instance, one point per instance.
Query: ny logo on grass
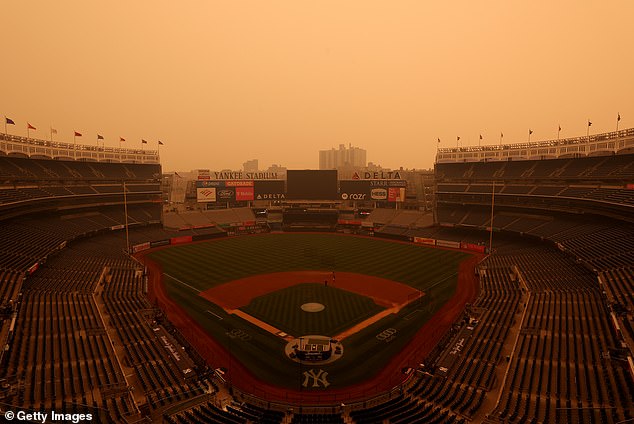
(319, 377)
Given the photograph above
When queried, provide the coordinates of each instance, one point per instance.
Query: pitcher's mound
(312, 307)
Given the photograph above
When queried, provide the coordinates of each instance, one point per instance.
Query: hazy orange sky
(223, 82)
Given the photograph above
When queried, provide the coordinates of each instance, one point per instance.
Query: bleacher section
(600, 185)
(576, 328)
(560, 371)
(27, 185)
(399, 218)
(208, 218)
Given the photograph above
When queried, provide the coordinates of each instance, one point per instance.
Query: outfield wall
(452, 244)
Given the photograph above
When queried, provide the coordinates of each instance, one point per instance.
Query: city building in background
(342, 157)
(250, 166)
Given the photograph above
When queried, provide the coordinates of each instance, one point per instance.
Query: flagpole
(74, 144)
(588, 131)
(558, 131)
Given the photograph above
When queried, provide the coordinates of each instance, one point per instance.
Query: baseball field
(242, 300)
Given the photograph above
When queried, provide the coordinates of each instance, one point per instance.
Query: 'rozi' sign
(353, 196)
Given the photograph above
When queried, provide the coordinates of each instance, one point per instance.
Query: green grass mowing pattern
(208, 264)
(282, 309)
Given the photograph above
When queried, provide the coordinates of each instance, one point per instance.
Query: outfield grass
(282, 309)
(205, 265)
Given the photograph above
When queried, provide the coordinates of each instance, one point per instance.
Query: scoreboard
(311, 184)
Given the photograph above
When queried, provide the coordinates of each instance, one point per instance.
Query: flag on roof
(589, 123)
(480, 136)
(29, 126)
(160, 143)
(53, 130)
(143, 141)
(618, 117)
(9, 121)
(77, 134)
(121, 139)
(530, 131)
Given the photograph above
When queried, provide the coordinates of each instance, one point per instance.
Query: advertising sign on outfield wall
(159, 243)
(244, 193)
(206, 194)
(180, 240)
(380, 190)
(269, 190)
(448, 243)
(238, 183)
(396, 194)
(140, 247)
(240, 190)
(472, 247)
(424, 240)
(225, 194)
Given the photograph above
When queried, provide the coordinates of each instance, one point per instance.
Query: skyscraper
(337, 158)
(251, 166)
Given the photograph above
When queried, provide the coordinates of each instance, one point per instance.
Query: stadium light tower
(491, 222)
(125, 211)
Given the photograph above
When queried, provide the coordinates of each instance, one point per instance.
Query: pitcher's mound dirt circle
(312, 307)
